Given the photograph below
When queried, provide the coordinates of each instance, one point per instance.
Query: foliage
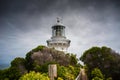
(109, 78)
(97, 74)
(17, 61)
(103, 58)
(15, 71)
(29, 62)
(43, 68)
(39, 48)
(19, 64)
(73, 59)
(10, 74)
(34, 76)
(97, 78)
(67, 73)
(59, 78)
(37, 60)
(41, 56)
(3, 74)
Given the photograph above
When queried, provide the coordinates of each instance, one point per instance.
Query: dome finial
(58, 20)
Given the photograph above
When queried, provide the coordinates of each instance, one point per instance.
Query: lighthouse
(58, 39)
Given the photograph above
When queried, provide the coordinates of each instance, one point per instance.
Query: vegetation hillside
(36, 63)
(100, 63)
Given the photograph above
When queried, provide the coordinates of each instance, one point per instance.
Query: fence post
(52, 71)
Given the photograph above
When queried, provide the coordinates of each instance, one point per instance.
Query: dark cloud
(24, 24)
(22, 6)
(22, 12)
(41, 6)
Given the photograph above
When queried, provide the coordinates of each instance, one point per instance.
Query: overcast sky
(25, 24)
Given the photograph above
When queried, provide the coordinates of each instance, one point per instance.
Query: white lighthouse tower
(58, 39)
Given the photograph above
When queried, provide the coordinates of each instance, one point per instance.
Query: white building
(58, 39)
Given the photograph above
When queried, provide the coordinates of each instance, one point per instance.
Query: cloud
(27, 24)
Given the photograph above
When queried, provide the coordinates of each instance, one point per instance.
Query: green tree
(16, 70)
(42, 55)
(17, 61)
(30, 64)
(10, 74)
(59, 78)
(103, 58)
(34, 76)
(73, 60)
(97, 74)
(19, 65)
(67, 73)
(38, 60)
